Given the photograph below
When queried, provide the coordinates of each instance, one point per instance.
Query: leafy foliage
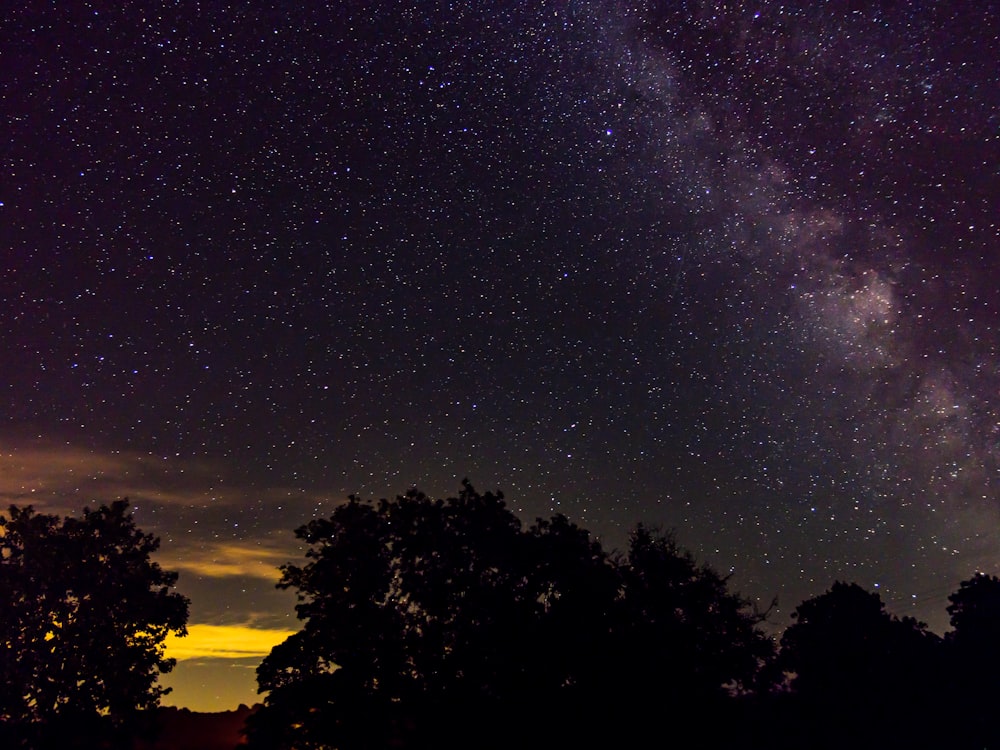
(974, 663)
(680, 619)
(851, 659)
(975, 617)
(845, 646)
(428, 622)
(84, 612)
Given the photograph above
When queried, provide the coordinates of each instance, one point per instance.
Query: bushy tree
(680, 619)
(974, 661)
(858, 673)
(975, 619)
(444, 623)
(84, 612)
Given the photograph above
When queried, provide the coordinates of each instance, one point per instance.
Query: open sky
(732, 268)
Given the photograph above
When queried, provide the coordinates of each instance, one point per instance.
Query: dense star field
(728, 268)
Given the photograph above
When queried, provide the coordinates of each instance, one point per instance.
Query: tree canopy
(844, 646)
(84, 613)
(427, 620)
(975, 618)
(860, 676)
(974, 663)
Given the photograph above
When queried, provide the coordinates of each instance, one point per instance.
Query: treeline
(447, 623)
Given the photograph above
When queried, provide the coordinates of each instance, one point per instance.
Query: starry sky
(729, 268)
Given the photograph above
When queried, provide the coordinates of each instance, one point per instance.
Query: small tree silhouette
(84, 612)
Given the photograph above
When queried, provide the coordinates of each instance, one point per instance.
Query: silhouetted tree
(683, 645)
(974, 659)
(975, 620)
(860, 676)
(680, 619)
(84, 612)
(431, 623)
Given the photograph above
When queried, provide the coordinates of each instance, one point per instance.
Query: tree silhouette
(83, 616)
(683, 645)
(681, 619)
(975, 619)
(858, 672)
(974, 659)
(443, 623)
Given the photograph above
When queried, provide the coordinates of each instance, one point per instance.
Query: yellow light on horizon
(205, 641)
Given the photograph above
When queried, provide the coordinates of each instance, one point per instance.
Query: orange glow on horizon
(224, 642)
(215, 665)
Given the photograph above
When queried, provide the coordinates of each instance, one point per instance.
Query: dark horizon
(424, 622)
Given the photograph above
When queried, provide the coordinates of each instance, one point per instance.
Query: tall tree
(684, 644)
(84, 613)
(975, 619)
(681, 618)
(439, 623)
(858, 673)
(974, 659)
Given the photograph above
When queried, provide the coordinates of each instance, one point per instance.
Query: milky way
(730, 269)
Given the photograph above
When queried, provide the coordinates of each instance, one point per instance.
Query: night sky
(730, 268)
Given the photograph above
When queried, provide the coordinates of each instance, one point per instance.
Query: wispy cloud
(37, 472)
(58, 477)
(230, 559)
(224, 642)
